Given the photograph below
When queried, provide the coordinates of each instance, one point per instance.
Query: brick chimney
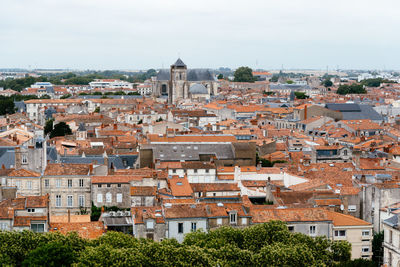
(305, 112)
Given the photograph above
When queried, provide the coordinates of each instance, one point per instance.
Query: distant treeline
(75, 78)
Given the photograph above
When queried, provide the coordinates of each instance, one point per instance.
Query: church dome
(198, 89)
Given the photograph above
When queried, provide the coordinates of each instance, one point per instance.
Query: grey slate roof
(192, 75)
(343, 107)
(198, 89)
(81, 127)
(356, 111)
(51, 154)
(7, 157)
(392, 221)
(115, 160)
(179, 63)
(177, 152)
(199, 75)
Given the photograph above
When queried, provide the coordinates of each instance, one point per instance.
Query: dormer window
(150, 224)
(233, 217)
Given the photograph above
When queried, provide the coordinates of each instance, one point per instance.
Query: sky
(265, 34)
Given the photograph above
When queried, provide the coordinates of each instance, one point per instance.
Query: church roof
(192, 75)
(198, 89)
(179, 63)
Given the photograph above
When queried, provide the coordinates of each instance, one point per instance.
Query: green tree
(354, 88)
(7, 106)
(301, 95)
(65, 96)
(377, 248)
(60, 129)
(244, 74)
(97, 110)
(220, 76)
(341, 251)
(327, 83)
(274, 78)
(289, 82)
(52, 254)
(48, 127)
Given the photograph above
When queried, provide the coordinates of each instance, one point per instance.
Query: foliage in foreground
(269, 244)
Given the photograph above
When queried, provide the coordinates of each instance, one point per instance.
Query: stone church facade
(179, 83)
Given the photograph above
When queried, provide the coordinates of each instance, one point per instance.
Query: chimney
(305, 112)
(91, 168)
(18, 158)
(259, 165)
(115, 126)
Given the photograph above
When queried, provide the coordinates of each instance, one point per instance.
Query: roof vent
(168, 205)
(220, 204)
(179, 183)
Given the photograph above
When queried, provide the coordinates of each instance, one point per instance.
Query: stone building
(180, 83)
(68, 186)
(111, 190)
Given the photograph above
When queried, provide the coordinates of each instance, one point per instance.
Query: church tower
(178, 81)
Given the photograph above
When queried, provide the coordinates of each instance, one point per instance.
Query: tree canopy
(60, 129)
(301, 95)
(327, 83)
(354, 88)
(269, 244)
(244, 74)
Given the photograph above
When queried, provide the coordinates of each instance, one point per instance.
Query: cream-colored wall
(355, 238)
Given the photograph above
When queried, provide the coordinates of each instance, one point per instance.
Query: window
(219, 221)
(207, 171)
(313, 230)
(390, 237)
(58, 183)
(24, 159)
(31, 210)
(69, 201)
(69, 183)
(81, 201)
(174, 171)
(352, 208)
(244, 221)
(29, 184)
(365, 249)
(345, 152)
(37, 227)
(194, 227)
(365, 233)
(340, 233)
(119, 198)
(108, 197)
(58, 200)
(80, 182)
(232, 218)
(150, 224)
(390, 259)
(195, 170)
(99, 185)
(290, 228)
(18, 184)
(119, 185)
(180, 228)
(108, 185)
(46, 183)
(99, 198)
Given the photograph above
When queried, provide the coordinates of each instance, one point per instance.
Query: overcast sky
(131, 34)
